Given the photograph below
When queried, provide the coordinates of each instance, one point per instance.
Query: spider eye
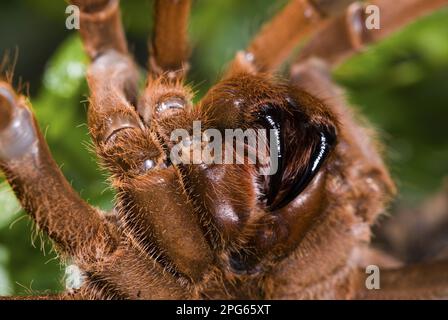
(301, 150)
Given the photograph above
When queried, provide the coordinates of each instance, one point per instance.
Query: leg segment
(113, 76)
(170, 44)
(78, 229)
(101, 26)
(112, 80)
(275, 41)
(347, 34)
(168, 63)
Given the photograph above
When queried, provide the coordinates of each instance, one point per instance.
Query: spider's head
(244, 168)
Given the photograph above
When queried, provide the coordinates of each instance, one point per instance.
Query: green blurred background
(401, 85)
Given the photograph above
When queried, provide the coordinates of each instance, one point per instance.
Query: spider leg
(113, 79)
(348, 34)
(122, 139)
(278, 37)
(75, 226)
(78, 229)
(101, 28)
(336, 38)
(131, 274)
(168, 62)
(112, 76)
(170, 48)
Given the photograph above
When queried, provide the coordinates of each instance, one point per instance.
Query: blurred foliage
(401, 85)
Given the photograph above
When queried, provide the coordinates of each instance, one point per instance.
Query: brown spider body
(208, 231)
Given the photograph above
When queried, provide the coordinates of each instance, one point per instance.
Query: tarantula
(209, 231)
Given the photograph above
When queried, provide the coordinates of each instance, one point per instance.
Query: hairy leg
(170, 48)
(347, 34)
(335, 36)
(112, 80)
(121, 138)
(130, 149)
(112, 76)
(168, 63)
(77, 229)
(278, 37)
(112, 266)
(101, 28)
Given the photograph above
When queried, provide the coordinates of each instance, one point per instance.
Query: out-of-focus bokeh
(401, 85)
